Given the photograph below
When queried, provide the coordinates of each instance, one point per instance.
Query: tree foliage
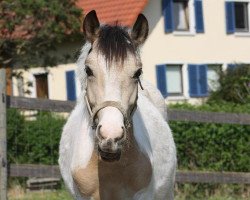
(31, 31)
(234, 85)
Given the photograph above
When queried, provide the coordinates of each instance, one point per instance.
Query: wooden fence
(64, 106)
(41, 171)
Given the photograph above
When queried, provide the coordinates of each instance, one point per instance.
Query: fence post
(3, 140)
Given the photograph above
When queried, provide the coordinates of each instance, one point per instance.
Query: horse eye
(137, 74)
(89, 72)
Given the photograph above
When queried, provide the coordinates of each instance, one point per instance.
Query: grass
(186, 192)
(18, 193)
(210, 198)
(63, 195)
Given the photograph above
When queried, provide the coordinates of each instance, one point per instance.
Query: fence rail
(174, 115)
(44, 171)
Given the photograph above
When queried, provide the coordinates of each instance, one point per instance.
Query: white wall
(56, 81)
(214, 46)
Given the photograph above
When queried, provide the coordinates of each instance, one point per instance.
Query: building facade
(189, 41)
(193, 39)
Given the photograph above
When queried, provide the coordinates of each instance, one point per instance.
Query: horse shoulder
(76, 146)
(86, 179)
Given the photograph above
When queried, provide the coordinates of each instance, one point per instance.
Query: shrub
(33, 141)
(234, 85)
(15, 140)
(210, 146)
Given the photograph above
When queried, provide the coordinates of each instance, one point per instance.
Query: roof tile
(124, 12)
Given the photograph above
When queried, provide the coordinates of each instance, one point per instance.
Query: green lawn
(181, 197)
(63, 195)
(18, 193)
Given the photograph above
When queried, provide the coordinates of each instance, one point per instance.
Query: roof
(124, 12)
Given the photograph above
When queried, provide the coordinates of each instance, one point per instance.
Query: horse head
(113, 68)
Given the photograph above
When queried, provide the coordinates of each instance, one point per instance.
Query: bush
(209, 146)
(33, 141)
(15, 139)
(234, 85)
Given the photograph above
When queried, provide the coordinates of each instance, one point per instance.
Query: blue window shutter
(161, 79)
(197, 75)
(193, 80)
(71, 86)
(230, 17)
(203, 88)
(199, 16)
(167, 6)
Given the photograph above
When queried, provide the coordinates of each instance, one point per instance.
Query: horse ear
(91, 26)
(140, 30)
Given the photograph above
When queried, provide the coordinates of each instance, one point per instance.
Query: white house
(189, 41)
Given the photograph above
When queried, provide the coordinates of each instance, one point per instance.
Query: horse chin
(109, 156)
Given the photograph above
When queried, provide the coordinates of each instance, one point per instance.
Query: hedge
(200, 146)
(34, 141)
(209, 146)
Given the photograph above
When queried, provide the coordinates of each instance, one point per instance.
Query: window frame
(247, 23)
(186, 14)
(196, 18)
(191, 20)
(184, 77)
(220, 68)
(181, 80)
(20, 86)
(237, 32)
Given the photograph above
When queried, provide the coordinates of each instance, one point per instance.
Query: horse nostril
(98, 133)
(122, 137)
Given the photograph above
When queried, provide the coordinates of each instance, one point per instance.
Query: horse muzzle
(108, 156)
(109, 150)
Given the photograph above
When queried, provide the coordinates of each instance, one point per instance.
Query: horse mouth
(109, 157)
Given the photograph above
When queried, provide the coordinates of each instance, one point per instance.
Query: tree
(234, 85)
(31, 30)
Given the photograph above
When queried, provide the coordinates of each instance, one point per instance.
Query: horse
(116, 143)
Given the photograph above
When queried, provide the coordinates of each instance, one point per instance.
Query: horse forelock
(115, 43)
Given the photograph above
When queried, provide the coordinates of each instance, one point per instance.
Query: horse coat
(151, 132)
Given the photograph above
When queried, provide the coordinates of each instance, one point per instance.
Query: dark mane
(114, 43)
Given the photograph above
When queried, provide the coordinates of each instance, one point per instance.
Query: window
(201, 79)
(174, 80)
(20, 84)
(169, 79)
(237, 16)
(241, 16)
(213, 77)
(181, 15)
(42, 86)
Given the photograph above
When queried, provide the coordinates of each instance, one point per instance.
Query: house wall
(56, 81)
(56, 75)
(213, 46)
